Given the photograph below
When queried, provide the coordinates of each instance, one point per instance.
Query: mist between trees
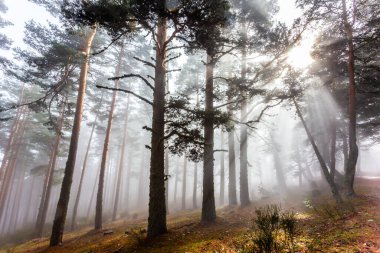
(137, 109)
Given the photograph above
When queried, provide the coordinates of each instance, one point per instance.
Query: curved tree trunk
(63, 201)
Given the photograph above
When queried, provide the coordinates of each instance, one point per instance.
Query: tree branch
(126, 91)
(133, 75)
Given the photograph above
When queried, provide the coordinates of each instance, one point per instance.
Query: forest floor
(320, 228)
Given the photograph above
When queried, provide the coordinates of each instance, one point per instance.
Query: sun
(299, 57)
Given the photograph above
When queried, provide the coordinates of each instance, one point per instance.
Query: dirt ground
(321, 228)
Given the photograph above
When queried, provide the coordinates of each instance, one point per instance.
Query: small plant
(138, 234)
(274, 230)
(288, 224)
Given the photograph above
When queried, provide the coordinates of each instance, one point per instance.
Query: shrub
(274, 230)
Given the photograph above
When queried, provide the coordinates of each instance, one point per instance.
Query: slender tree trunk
(222, 170)
(93, 192)
(63, 201)
(184, 183)
(195, 186)
(11, 164)
(232, 196)
(76, 204)
(45, 198)
(8, 148)
(142, 182)
(352, 145)
(167, 180)
(277, 165)
(324, 167)
(176, 180)
(333, 148)
(157, 208)
(244, 191)
(29, 201)
(128, 185)
(122, 162)
(208, 202)
(99, 198)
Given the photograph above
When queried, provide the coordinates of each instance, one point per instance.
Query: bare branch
(110, 44)
(173, 58)
(133, 75)
(126, 91)
(173, 70)
(145, 62)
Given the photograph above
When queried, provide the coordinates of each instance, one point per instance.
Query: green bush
(274, 230)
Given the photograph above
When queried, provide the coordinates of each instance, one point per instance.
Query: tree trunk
(93, 192)
(99, 198)
(63, 201)
(232, 196)
(208, 202)
(167, 180)
(222, 169)
(176, 181)
(184, 175)
(157, 209)
(122, 162)
(195, 186)
(324, 168)
(46, 192)
(333, 148)
(352, 145)
(277, 165)
(15, 147)
(244, 191)
(73, 221)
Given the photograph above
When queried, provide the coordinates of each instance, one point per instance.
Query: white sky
(19, 12)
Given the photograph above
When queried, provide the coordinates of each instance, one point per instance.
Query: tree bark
(93, 192)
(63, 201)
(333, 148)
(195, 186)
(244, 189)
(184, 175)
(99, 197)
(324, 167)
(12, 159)
(208, 201)
(232, 196)
(222, 170)
(122, 162)
(352, 145)
(73, 221)
(167, 180)
(157, 208)
(46, 192)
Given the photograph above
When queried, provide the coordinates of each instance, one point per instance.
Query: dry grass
(348, 231)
